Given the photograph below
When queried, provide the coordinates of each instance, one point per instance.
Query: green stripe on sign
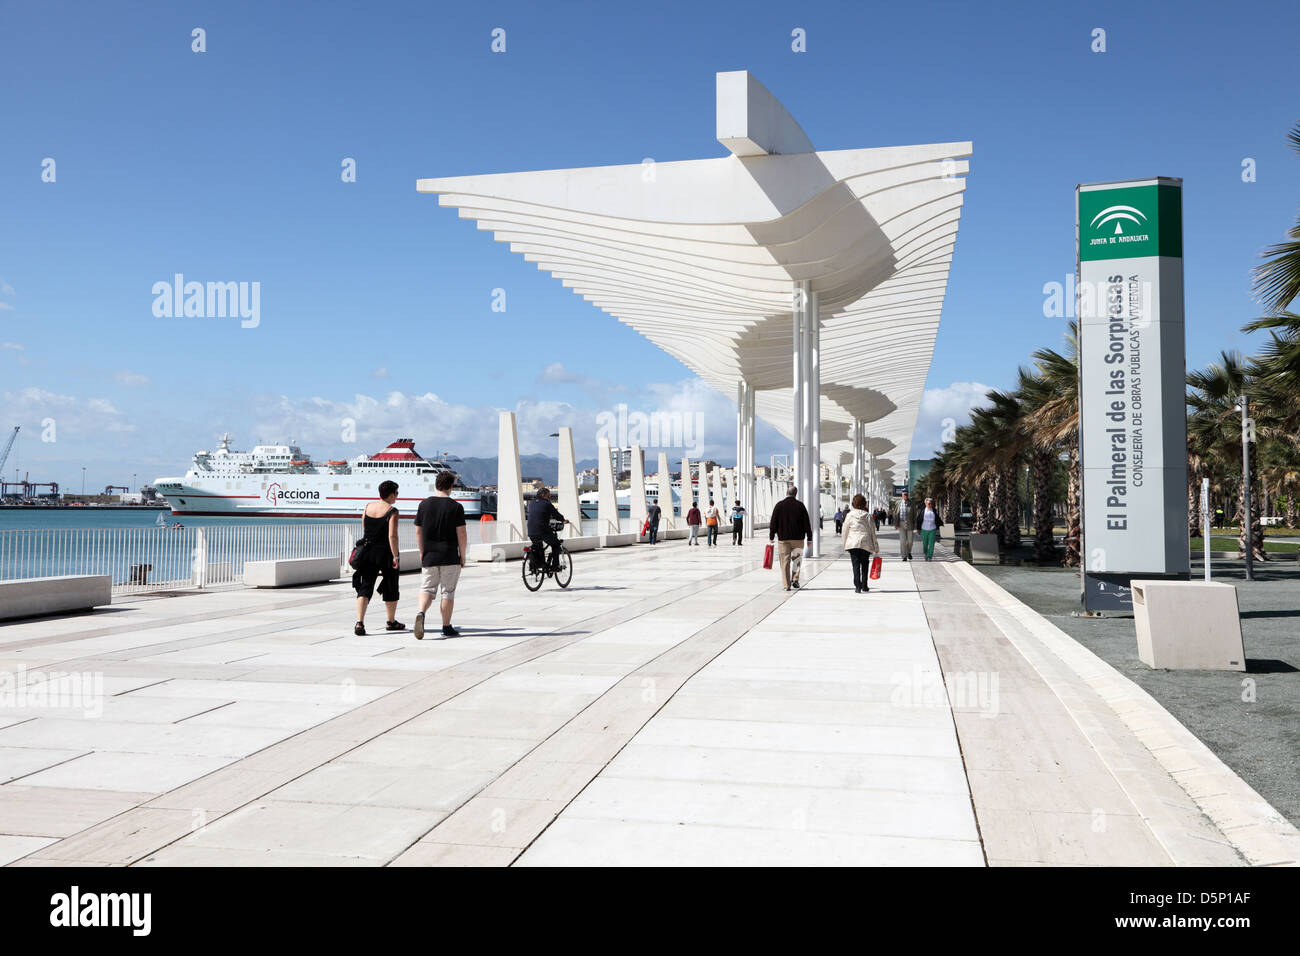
(1129, 222)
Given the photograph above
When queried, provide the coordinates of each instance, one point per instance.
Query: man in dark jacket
(540, 514)
(790, 527)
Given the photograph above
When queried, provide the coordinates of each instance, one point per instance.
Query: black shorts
(363, 582)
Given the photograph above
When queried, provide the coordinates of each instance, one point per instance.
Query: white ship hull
(298, 496)
(279, 481)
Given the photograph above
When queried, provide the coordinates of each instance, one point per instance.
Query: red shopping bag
(875, 567)
(645, 528)
(767, 557)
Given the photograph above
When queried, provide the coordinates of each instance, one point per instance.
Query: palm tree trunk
(1011, 505)
(1044, 543)
(1193, 512)
(1074, 520)
(1290, 508)
(992, 509)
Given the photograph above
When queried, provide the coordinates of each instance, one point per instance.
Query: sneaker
(795, 583)
(394, 626)
(419, 626)
(449, 631)
(787, 587)
(359, 629)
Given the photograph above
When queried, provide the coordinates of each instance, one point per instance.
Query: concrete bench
(287, 572)
(26, 597)
(489, 551)
(984, 549)
(674, 534)
(619, 540)
(1188, 625)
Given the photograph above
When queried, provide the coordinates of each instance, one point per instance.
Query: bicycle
(559, 567)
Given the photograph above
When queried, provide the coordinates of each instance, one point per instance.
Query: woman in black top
(380, 529)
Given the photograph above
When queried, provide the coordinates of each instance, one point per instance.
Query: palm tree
(1277, 279)
(1054, 423)
(1005, 412)
(1034, 392)
(1214, 426)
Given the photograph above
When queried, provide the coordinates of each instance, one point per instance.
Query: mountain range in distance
(483, 471)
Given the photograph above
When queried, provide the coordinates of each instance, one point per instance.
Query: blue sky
(376, 303)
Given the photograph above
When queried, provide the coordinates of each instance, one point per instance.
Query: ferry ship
(281, 481)
(589, 501)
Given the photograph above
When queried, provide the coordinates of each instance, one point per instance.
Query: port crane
(4, 455)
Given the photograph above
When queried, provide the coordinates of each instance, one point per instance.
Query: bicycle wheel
(564, 569)
(533, 577)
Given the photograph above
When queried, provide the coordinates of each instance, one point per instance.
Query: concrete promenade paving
(673, 706)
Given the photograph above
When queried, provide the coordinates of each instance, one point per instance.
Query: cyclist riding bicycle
(540, 515)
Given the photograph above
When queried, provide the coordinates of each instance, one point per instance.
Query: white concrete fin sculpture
(570, 504)
(510, 495)
(607, 493)
(637, 503)
(666, 493)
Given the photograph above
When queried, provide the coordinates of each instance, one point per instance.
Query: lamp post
(83, 480)
(1243, 403)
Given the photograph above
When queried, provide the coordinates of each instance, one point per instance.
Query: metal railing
(142, 560)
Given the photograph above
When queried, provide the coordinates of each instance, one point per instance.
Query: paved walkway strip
(674, 707)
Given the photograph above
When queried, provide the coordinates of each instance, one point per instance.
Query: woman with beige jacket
(859, 539)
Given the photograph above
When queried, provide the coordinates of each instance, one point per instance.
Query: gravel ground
(1259, 739)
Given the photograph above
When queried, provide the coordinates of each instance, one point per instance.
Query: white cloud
(380, 373)
(320, 424)
(10, 347)
(131, 379)
(6, 288)
(942, 410)
(5, 306)
(557, 374)
(74, 418)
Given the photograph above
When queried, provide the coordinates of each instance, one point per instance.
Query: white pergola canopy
(703, 258)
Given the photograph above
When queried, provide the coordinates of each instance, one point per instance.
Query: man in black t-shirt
(440, 534)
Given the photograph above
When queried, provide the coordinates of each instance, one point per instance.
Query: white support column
(815, 419)
(746, 485)
(666, 493)
(799, 317)
(569, 504)
(607, 493)
(717, 490)
(510, 495)
(636, 494)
